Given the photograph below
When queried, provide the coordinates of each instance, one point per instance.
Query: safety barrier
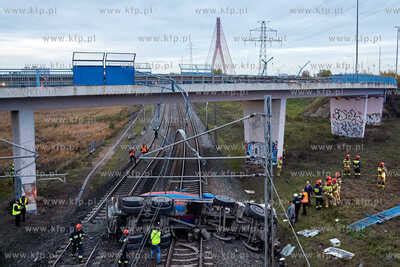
(362, 78)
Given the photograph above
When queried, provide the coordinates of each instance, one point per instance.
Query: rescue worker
(76, 239)
(381, 175)
(132, 155)
(304, 202)
(357, 166)
(16, 212)
(347, 165)
(309, 189)
(328, 193)
(123, 259)
(23, 201)
(144, 149)
(335, 192)
(297, 205)
(291, 213)
(319, 200)
(155, 237)
(279, 166)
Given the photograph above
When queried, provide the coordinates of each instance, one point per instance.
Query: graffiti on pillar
(374, 118)
(347, 123)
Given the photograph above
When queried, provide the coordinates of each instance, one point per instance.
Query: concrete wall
(23, 128)
(374, 110)
(348, 116)
(254, 127)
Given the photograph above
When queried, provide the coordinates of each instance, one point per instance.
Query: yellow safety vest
(280, 164)
(155, 237)
(23, 203)
(381, 172)
(16, 209)
(346, 163)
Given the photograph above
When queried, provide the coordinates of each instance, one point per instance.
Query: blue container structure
(99, 68)
(120, 68)
(378, 218)
(88, 68)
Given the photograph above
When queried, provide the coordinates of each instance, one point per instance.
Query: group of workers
(328, 193)
(77, 235)
(18, 210)
(132, 152)
(155, 240)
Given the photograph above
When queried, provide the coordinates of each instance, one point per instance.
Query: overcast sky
(160, 32)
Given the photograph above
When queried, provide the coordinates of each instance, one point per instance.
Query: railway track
(189, 254)
(123, 187)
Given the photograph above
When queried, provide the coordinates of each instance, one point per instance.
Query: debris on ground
(339, 253)
(287, 250)
(335, 242)
(309, 232)
(250, 192)
(377, 218)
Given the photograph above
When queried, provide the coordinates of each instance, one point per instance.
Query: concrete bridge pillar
(23, 129)
(254, 127)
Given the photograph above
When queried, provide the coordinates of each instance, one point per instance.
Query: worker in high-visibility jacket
(23, 201)
(381, 175)
(155, 237)
(144, 149)
(132, 156)
(328, 193)
(76, 239)
(279, 166)
(319, 200)
(347, 165)
(357, 166)
(16, 212)
(304, 201)
(335, 192)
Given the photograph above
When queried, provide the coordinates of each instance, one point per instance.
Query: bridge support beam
(254, 127)
(23, 129)
(349, 116)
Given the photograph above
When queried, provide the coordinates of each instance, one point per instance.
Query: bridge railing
(35, 77)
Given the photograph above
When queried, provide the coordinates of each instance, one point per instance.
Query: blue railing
(362, 78)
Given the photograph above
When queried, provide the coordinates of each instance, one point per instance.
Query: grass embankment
(312, 153)
(62, 141)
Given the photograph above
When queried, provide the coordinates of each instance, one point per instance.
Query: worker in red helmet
(335, 192)
(347, 165)
(381, 175)
(357, 166)
(123, 259)
(328, 194)
(319, 200)
(132, 155)
(76, 239)
(328, 178)
(279, 166)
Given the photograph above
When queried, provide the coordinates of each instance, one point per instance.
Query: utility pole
(397, 48)
(266, 34)
(268, 186)
(357, 42)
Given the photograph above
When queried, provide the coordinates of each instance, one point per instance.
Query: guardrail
(64, 77)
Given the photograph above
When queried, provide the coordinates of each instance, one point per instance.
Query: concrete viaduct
(352, 105)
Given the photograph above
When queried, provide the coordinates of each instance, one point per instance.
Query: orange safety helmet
(125, 232)
(358, 156)
(328, 178)
(334, 180)
(78, 226)
(329, 182)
